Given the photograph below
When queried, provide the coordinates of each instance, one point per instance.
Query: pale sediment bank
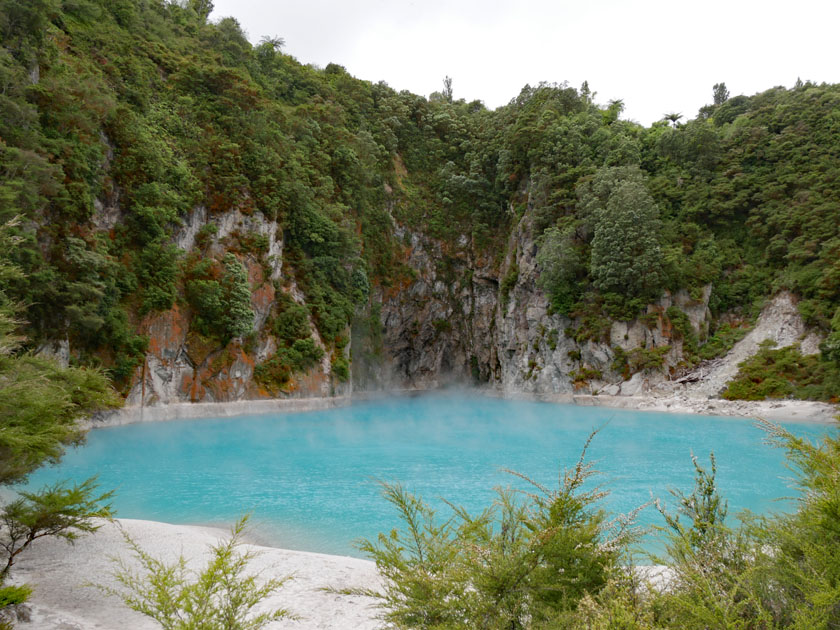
(63, 598)
(191, 411)
(773, 410)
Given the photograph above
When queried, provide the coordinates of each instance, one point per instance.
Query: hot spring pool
(309, 479)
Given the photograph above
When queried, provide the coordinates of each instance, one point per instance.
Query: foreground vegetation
(40, 406)
(221, 596)
(552, 559)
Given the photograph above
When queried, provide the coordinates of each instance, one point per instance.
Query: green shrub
(591, 323)
(585, 374)
(277, 371)
(221, 596)
(524, 562)
(508, 283)
(341, 368)
(238, 316)
(561, 267)
(638, 360)
(784, 373)
(442, 326)
(647, 359)
(220, 297)
(722, 341)
(683, 330)
(304, 354)
(205, 235)
(292, 322)
(158, 274)
(273, 373)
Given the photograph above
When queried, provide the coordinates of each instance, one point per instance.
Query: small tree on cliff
(236, 291)
(560, 264)
(626, 256)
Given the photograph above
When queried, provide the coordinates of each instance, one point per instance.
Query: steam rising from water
(309, 477)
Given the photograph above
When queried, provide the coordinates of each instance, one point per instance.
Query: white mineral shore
(64, 597)
(131, 414)
(779, 411)
(669, 400)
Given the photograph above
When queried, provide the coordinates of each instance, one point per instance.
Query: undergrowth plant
(221, 596)
(526, 561)
(546, 560)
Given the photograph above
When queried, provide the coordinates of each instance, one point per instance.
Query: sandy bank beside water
(192, 411)
(64, 600)
(773, 410)
(59, 573)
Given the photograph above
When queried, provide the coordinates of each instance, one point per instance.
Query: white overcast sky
(658, 56)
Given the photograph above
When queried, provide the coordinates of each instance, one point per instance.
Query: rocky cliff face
(458, 318)
(184, 366)
(455, 324)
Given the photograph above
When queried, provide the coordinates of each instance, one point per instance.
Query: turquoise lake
(309, 479)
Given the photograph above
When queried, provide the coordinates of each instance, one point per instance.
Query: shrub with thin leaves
(61, 511)
(221, 596)
(524, 562)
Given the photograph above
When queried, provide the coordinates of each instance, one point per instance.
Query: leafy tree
(673, 118)
(561, 267)
(447, 89)
(59, 510)
(40, 406)
(721, 93)
(40, 402)
(63, 511)
(221, 596)
(292, 322)
(802, 573)
(626, 254)
(220, 295)
(238, 316)
(202, 8)
(830, 348)
(158, 270)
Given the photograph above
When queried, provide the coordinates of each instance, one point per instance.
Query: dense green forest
(118, 118)
(146, 106)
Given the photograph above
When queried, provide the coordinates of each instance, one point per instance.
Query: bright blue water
(309, 478)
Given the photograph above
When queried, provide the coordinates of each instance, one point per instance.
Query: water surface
(309, 479)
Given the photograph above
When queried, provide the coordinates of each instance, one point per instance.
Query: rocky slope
(439, 332)
(460, 318)
(184, 366)
(453, 324)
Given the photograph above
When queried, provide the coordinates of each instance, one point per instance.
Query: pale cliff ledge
(773, 410)
(192, 411)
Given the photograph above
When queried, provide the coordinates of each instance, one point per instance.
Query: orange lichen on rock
(167, 332)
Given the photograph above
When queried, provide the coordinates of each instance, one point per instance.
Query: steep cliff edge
(183, 365)
(453, 322)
